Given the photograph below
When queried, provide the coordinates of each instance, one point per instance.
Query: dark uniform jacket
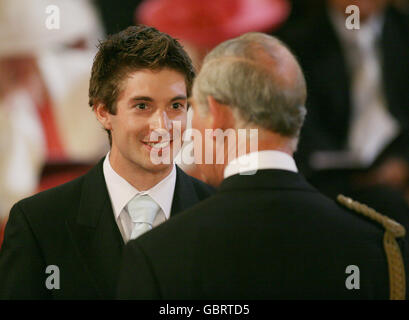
(265, 236)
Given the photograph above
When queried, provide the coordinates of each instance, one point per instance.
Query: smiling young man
(141, 79)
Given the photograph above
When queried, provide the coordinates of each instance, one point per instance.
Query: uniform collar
(267, 159)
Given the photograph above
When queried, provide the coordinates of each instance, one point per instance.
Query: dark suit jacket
(266, 236)
(321, 56)
(73, 227)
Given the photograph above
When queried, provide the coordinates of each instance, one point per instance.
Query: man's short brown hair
(135, 48)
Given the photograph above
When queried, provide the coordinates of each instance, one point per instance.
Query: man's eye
(177, 105)
(141, 106)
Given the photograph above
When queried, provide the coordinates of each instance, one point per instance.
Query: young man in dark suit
(267, 233)
(66, 243)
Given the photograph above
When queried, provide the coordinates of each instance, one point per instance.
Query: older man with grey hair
(267, 234)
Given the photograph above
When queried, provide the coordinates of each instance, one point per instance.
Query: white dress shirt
(372, 125)
(121, 192)
(249, 163)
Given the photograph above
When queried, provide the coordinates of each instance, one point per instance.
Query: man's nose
(160, 120)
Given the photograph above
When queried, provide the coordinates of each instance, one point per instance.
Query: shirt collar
(121, 191)
(267, 159)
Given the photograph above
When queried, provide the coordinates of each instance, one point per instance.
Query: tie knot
(142, 209)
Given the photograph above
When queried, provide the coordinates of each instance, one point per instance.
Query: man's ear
(103, 115)
(222, 115)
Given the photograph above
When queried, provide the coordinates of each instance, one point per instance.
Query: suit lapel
(96, 234)
(184, 196)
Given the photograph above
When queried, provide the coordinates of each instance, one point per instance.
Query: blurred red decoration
(207, 23)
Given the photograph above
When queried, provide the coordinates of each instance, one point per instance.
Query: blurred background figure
(47, 133)
(356, 136)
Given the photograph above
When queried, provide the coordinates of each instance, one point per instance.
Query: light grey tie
(142, 209)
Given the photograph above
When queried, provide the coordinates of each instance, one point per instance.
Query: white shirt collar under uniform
(121, 192)
(266, 159)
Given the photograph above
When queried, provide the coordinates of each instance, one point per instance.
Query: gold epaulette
(393, 230)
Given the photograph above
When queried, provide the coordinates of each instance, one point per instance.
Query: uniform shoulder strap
(393, 230)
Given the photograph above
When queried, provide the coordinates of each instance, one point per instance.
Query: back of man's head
(258, 77)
